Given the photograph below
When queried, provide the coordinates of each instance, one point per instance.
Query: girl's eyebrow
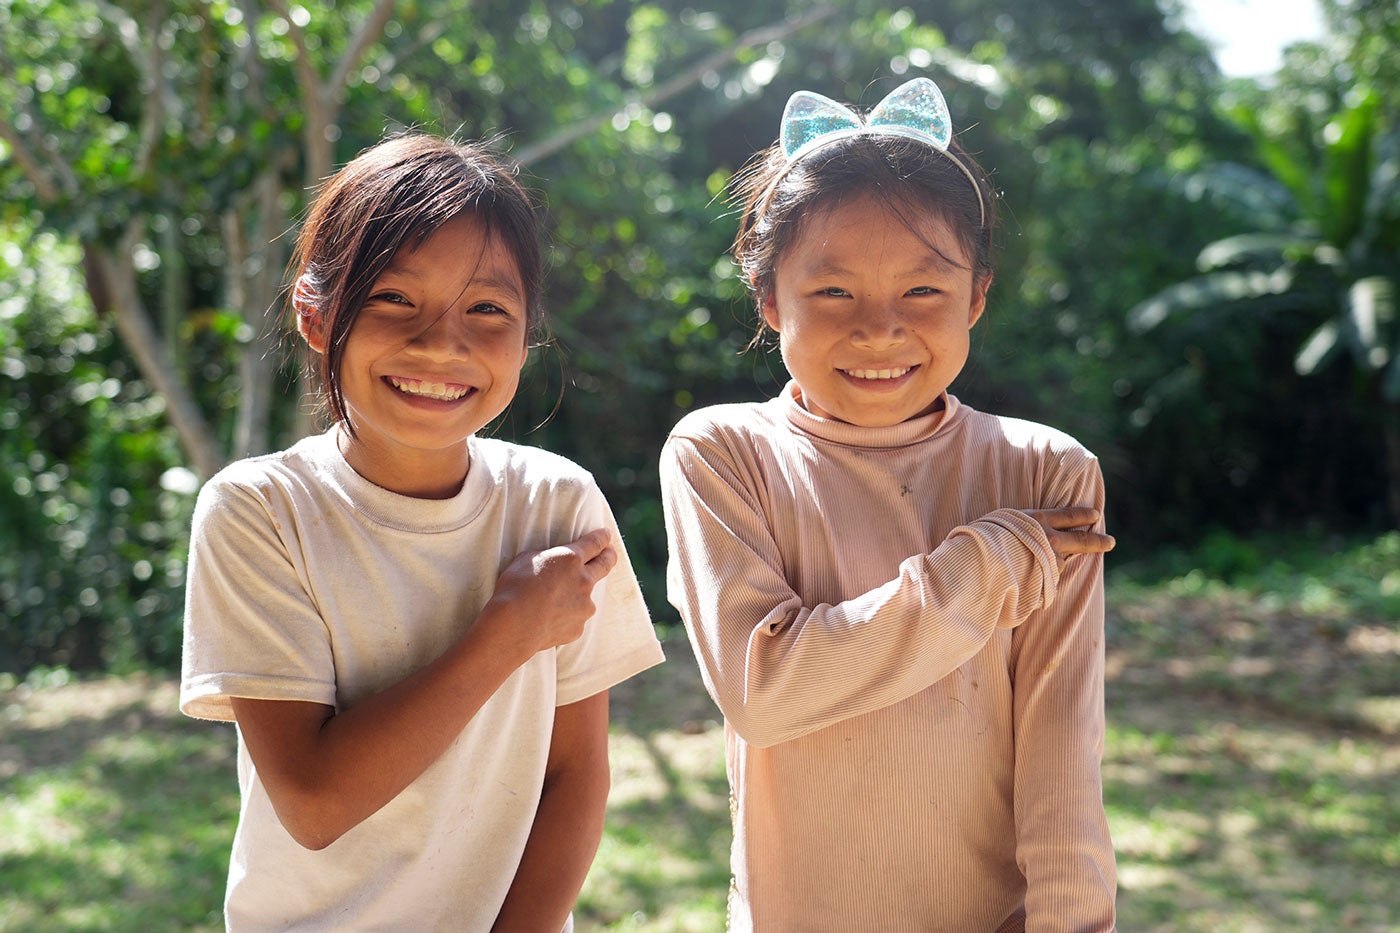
(932, 263)
(487, 280)
(496, 283)
(825, 269)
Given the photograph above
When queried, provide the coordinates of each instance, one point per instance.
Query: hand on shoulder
(549, 593)
(1071, 531)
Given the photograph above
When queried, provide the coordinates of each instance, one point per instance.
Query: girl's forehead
(868, 223)
(462, 245)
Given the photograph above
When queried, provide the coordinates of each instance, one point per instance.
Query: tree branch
(424, 37)
(370, 30)
(323, 100)
(133, 323)
(754, 37)
(50, 175)
(306, 73)
(153, 77)
(128, 32)
(148, 54)
(43, 183)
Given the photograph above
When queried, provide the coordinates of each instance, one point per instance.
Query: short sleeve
(251, 626)
(618, 641)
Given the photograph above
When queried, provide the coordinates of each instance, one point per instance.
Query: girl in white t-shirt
(896, 601)
(414, 628)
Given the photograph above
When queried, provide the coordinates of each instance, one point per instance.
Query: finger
(592, 544)
(1072, 517)
(600, 566)
(1082, 542)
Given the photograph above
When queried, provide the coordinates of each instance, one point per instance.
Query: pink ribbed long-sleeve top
(912, 688)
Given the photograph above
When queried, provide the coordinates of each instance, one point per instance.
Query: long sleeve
(779, 669)
(1063, 846)
(888, 636)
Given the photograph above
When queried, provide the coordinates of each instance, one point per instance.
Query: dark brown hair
(396, 194)
(912, 179)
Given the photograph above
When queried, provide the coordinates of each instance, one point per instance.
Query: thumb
(592, 544)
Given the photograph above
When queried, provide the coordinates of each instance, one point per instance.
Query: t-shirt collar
(405, 513)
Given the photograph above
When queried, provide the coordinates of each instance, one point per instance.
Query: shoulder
(1028, 438)
(295, 466)
(520, 467)
(733, 441)
(1037, 460)
(1027, 452)
(271, 487)
(724, 425)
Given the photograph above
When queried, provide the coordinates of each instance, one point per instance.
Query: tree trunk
(139, 336)
(256, 258)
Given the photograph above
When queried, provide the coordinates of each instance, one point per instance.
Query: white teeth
(435, 390)
(878, 373)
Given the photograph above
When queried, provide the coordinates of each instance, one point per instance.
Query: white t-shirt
(308, 582)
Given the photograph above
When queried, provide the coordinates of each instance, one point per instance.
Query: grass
(1250, 772)
(116, 815)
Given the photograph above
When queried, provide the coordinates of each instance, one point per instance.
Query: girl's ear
(769, 310)
(979, 299)
(311, 322)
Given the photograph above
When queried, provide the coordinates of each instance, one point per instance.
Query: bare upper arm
(580, 736)
(281, 739)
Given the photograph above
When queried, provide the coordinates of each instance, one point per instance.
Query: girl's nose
(445, 335)
(878, 325)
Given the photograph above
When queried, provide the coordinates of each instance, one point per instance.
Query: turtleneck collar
(853, 435)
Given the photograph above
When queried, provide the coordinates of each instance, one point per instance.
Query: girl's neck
(419, 474)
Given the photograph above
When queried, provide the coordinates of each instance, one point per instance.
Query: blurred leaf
(1319, 349)
(1246, 248)
(1208, 291)
(1370, 307)
(1348, 140)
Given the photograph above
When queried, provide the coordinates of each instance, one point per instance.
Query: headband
(914, 110)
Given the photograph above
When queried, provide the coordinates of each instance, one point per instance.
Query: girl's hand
(1071, 531)
(327, 770)
(549, 594)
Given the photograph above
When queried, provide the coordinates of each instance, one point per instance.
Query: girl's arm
(779, 669)
(1062, 840)
(568, 824)
(325, 771)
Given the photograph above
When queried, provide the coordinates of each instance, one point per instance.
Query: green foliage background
(170, 144)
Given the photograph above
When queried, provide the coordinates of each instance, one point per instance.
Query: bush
(94, 502)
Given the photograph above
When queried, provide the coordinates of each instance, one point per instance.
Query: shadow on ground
(1238, 804)
(117, 813)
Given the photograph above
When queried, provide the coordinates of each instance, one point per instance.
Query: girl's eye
(389, 298)
(487, 307)
(834, 291)
(919, 290)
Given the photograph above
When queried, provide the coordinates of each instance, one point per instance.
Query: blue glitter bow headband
(914, 110)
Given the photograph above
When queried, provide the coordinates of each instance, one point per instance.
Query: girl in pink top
(896, 601)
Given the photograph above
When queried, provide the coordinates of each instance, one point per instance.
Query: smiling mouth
(441, 391)
(878, 374)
